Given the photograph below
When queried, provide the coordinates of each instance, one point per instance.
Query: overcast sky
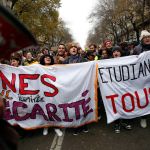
(75, 13)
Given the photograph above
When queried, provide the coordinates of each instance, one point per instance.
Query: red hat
(107, 41)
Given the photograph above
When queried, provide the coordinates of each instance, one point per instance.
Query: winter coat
(140, 48)
(74, 59)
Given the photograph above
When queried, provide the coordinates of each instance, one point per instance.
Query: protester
(45, 50)
(125, 49)
(81, 52)
(144, 43)
(93, 52)
(125, 123)
(143, 46)
(61, 54)
(47, 60)
(105, 54)
(93, 48)
(116, 52)
(76, 58)
(24, 54)
(29, 59)
(38, 56)
(15, 61)
(90, 56)
(131, 46)
(108, 46)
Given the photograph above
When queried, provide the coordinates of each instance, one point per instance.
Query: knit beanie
(117, 48)
(144, 33)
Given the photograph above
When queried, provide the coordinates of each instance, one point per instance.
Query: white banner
(125, 86)
(59, 95)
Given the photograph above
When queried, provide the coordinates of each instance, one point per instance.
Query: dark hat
(117, 48)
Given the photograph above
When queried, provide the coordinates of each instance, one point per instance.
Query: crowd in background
(63, 53)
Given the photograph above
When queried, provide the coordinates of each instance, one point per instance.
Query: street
(100, 137)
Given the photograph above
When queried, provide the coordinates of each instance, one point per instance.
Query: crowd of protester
(62, 54)
(72, 53)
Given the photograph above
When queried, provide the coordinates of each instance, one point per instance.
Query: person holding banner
(143, 46)
(76, 58)
(61, 54)
(90, 56)
(144, 43)
(105, 54)
(117, 52)
(81, 52)
(29, 59)
(108, 46)
(45, 50)
(92, 52)
(48, 60)
(15, 60)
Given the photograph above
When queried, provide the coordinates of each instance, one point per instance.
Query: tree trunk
(137, 31)
(143, 12)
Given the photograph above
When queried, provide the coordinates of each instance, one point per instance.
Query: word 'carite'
(79, 108)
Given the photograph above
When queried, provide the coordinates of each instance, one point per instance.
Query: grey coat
(139, 49)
